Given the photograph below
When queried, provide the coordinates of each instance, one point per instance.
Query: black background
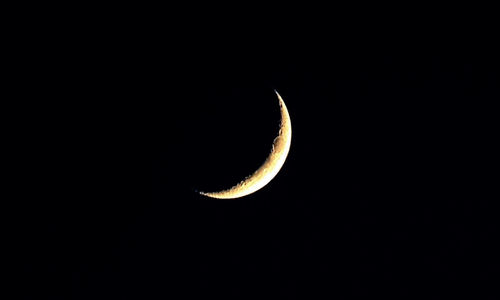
(382, 194)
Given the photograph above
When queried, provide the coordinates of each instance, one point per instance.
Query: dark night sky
(380, 195)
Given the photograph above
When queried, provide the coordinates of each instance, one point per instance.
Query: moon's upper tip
(279, 96)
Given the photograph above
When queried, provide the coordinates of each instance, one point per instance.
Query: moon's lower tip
(217, 195)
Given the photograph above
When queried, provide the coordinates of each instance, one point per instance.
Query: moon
(271, 166)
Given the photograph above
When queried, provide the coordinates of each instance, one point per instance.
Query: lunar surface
(270, 168)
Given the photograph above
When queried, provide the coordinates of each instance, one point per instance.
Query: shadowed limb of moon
(270, 168)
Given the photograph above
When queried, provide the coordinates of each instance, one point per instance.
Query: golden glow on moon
(269, 168)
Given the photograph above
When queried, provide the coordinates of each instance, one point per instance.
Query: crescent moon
(271, 166)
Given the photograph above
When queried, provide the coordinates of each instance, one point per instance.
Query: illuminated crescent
(269, 168)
